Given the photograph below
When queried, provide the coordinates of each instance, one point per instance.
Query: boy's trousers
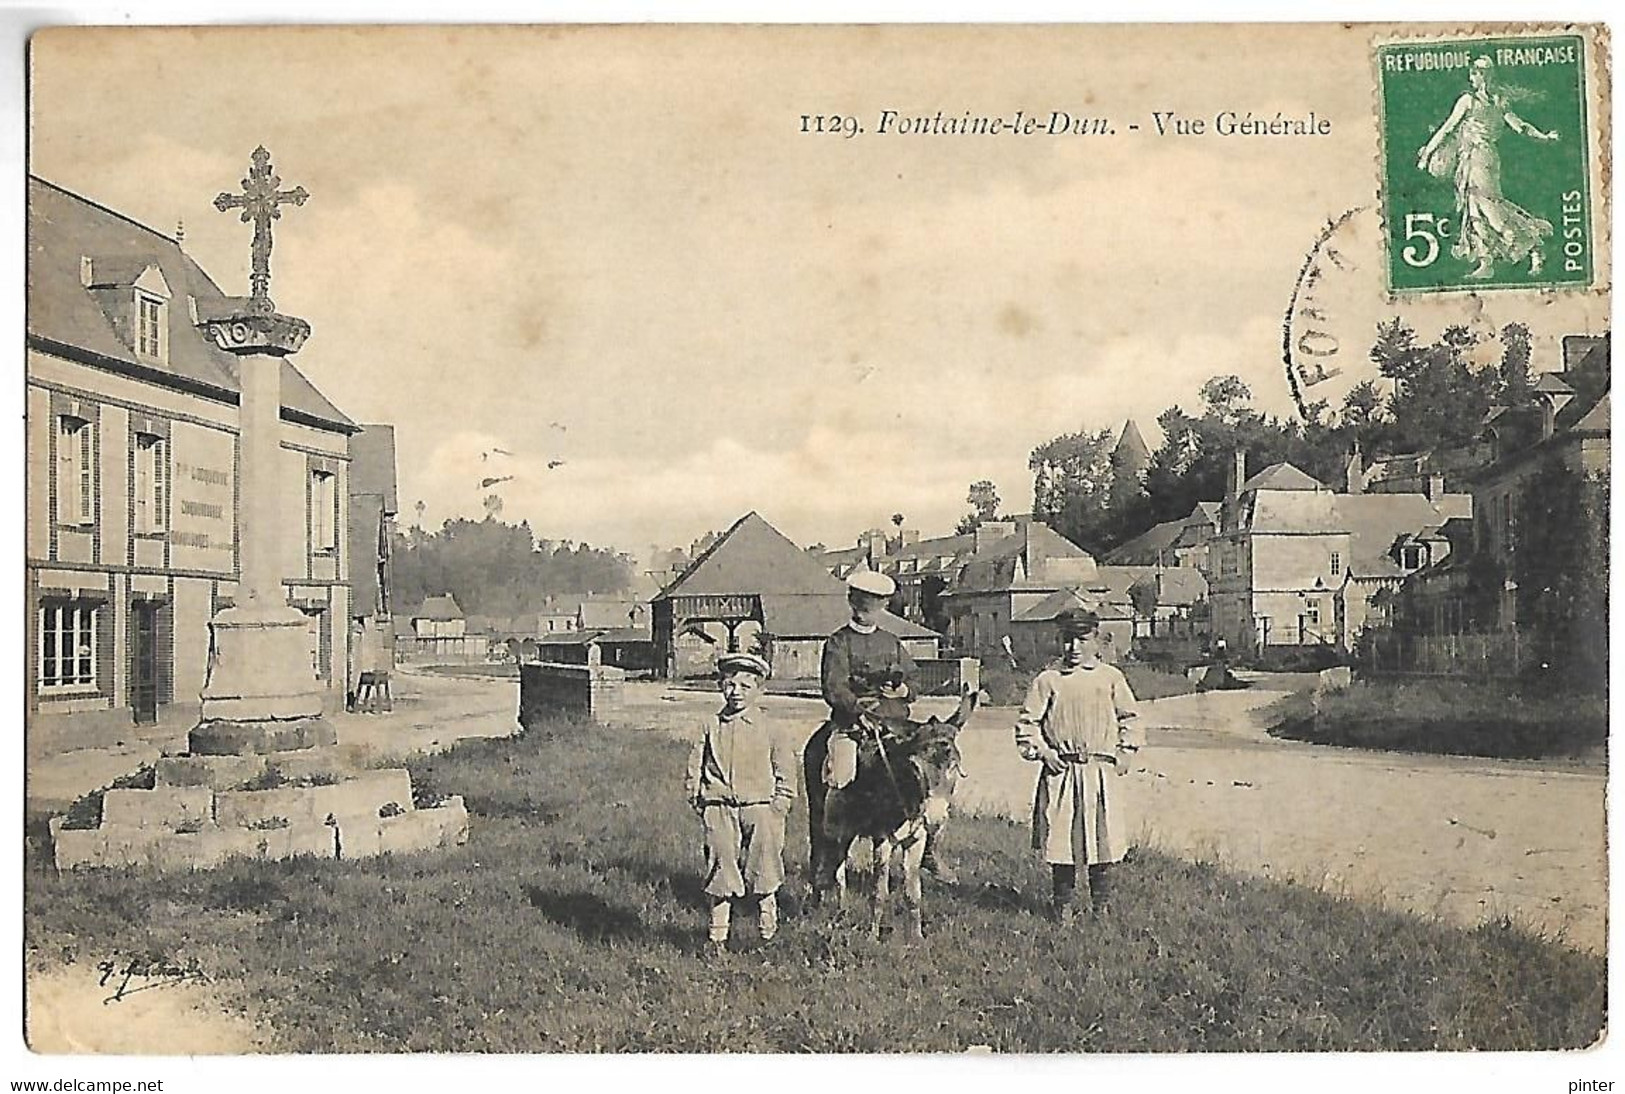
(744, 850)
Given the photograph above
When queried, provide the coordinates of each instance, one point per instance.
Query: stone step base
(222, 737)
(351, 836)
(231, 772)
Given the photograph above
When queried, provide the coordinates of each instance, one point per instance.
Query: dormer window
(134, 295)
(149, 327)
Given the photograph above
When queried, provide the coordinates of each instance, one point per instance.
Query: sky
(612, 254)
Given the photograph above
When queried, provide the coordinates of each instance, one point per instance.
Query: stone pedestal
(261, 695)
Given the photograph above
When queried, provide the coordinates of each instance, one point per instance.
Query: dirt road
(1465, 839)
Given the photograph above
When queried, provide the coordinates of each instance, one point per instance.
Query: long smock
(1083, 718)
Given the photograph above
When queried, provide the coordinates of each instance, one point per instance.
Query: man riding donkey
(867, 677)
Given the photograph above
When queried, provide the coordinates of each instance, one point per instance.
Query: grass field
(1452, 717)
(573, 921)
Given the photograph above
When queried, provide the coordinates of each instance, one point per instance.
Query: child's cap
(1078, 624)
(871, 583)
(741, 662)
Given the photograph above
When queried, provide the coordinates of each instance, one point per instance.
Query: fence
(946, 675)
(442, 650)
(1477, 656)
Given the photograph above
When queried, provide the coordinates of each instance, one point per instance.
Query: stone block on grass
(163, 807)
(359, 837)
(247, 808)
(78, 847)
(213, 772)
(364, 795)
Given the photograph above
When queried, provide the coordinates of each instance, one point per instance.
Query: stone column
(261, 694)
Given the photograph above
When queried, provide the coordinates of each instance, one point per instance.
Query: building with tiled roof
(1014, 565)
(1560, 436)
(755, 589)
(133, 530)
(1296, 564)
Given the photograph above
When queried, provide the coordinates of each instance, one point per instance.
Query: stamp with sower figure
(1486, 163)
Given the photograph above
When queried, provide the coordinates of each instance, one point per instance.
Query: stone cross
(259, 202)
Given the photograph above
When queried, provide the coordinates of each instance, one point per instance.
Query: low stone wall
(550, 689)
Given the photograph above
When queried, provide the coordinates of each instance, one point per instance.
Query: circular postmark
(1338, 302)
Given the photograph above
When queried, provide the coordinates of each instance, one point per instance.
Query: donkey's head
(935, 759)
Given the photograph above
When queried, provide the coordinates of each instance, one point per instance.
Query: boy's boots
(1099, 887)
(721, 913)
(770, 917)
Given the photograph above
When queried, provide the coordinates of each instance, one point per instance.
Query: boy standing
(1076, 722)
(741, 781)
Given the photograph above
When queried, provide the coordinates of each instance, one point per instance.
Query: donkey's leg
(913, 854)
(883, 849)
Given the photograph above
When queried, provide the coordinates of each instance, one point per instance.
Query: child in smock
(1077, 722)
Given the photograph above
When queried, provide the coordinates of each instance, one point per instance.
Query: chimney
(992, 531)
(87, 273)
(1354, 474)
(873, 543)
(1435, 486)
(911, 536)
(1238, 473)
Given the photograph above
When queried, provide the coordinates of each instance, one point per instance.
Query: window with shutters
(76, 471)
(150, 480)
(323, 512)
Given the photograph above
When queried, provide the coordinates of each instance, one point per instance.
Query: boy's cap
(741, 662)
(871, 583)
(1079, 623)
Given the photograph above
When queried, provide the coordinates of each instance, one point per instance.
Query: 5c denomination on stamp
(1486, 163)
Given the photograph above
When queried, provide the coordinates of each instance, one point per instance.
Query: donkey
(907, 772)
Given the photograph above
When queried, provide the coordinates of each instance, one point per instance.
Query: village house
(1035, 638)
(1562, 431)
(373, 506)
(1159, 601)
(1013, 566)
(1183, 542)
(1297, 564)
(924, 569)
(133, 529)
(439, 617)
(754, 589)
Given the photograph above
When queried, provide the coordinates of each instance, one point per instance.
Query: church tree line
(499, 569)
(1437, 396)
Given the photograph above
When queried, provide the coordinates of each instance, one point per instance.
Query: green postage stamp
(1486, 163)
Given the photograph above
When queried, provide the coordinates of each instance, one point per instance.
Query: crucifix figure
(259, 202)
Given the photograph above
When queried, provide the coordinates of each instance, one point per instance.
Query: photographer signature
(151, 973)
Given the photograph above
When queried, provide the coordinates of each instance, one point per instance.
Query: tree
(1560, 574)
(494, 568)
(1515, 356)
(1440, 396)
(1072, 485)
(1227, 398)
(983, 498)
(1362, 405)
